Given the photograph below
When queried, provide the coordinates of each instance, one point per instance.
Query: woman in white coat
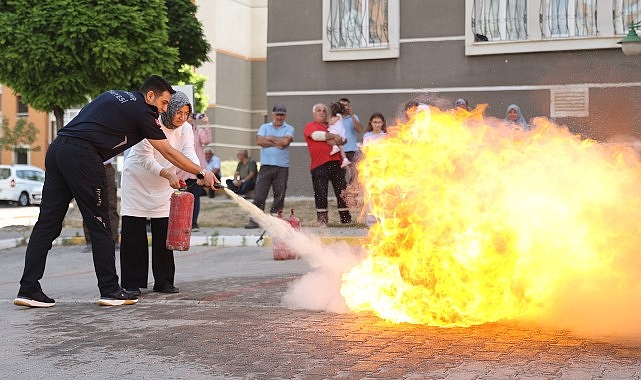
(147, 182)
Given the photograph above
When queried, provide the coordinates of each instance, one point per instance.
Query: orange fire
(479, 222)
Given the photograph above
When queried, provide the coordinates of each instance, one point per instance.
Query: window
(518, 26)
(496, 20)
(23, 109)
(5, 173)
(360, 29)
(626, 12)
(21, 156)
(568, 18)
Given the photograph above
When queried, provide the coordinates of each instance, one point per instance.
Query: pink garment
(202, 136)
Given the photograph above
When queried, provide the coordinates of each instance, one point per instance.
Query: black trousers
(74, 170)
(134, 253)
(112, 196)
(198, 191)
(276, 178)
(321, 176)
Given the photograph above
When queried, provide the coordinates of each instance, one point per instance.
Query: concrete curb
(211, 241)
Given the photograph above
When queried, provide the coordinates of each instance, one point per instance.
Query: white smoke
(319, 289)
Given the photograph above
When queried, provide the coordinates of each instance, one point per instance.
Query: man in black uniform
(111, 123)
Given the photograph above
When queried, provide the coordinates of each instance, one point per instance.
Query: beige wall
(236, 85)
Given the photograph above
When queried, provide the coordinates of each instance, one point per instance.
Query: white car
(21, 184)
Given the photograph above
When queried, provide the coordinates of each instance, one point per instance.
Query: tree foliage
(185, 34)
(58, 53)
(19, 138)
(190, 76)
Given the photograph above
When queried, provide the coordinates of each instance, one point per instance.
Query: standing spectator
(109, 124)
(376, 128)
(245, 175)
(112, 195)
(409, 110)
(202, 137)
(325, 167)
(213, 164)
(514, 117)
(353, 129)
(462, 104)
(147, 180)
(274, 139)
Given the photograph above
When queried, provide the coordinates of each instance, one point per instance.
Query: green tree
(20, 138)
(59, 53)
(186, 35)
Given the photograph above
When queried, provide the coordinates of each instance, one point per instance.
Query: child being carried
(336, 127)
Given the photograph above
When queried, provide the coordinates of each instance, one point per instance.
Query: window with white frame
(509, 26)
(626, 12)
(360, 29)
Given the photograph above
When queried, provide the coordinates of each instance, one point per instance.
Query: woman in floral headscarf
(147, 181)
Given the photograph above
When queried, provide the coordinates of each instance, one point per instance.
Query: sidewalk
(14, 236)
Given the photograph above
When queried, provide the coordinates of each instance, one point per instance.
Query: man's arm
(330, 138)
(181, 161)
(358, 127)
(279, 142)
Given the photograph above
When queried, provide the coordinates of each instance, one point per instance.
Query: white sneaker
(335, 149)
(345, 163)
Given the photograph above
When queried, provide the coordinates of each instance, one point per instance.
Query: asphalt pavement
(229, 321)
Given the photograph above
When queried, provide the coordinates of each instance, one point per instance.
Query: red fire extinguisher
(181, 210)
(281, 250)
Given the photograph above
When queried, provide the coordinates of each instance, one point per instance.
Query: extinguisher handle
(182, 184)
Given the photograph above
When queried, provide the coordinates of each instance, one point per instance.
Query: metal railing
(507, 20)
(358, 24)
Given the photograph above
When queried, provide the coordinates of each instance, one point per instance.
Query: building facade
(12, 110)
(554, 58)
(236, 73)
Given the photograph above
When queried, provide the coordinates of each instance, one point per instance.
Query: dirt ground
(221, 211)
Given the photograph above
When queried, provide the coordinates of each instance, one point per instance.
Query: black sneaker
(195, 228)
(251, 225)
(134, 292)
(38, 299)
(167, 289)
(117, 298)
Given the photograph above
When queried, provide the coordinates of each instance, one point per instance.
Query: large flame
(479, 222)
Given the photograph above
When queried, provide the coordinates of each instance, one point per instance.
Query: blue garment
(213, 164)
(350, 134)
(271, 155)
(521, 122)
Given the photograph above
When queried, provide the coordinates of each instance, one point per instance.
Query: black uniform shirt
(115, 121)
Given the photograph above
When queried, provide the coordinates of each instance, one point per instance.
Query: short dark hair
(157, 84)
(344, 100)
(410, 104)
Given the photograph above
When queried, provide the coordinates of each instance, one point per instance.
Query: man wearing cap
(274, 139)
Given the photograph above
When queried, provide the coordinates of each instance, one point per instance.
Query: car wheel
(24, 199)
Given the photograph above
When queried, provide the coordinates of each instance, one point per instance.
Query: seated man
(245, 175)
(213, 164)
